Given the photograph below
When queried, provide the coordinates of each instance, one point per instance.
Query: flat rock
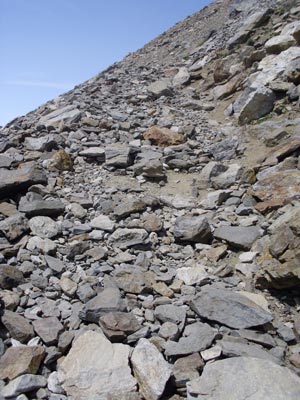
(103, 222)
(124, 238)
(117, 325)
(21, 360)
(33, 206)
(15, 226)
(229, 308)
(117, 156)
(96, 369)
(261, 380)
(279, 43)
(109, 300)
(239, 237)
(192, 229)
(43, 143)
(48, 329)
(150, 369)
(12, 181)
(24, 384)
(93, 152)
(18, 326)
(170, 313)
(196, 337)
(64, 114)
(128, 207)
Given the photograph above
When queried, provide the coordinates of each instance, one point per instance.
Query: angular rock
(261, 378)
(132, 206)
(21, 360)
(279, 43)
(253, 104)
(24, 384)
(196, 337)
(239, 237)
(103, 222)
(15, 226)
(117, 325)
(18, 327)
(229, 308)
(150, 369)
(33, 205)
(48, 329)
(182, 77)
(109, 300)
(96, 369)
(124, 238)
(20, 179)
(43, 227)
(10, 276)
(117, 156)
(192, 229)
(160, 88)
(46, 246)
(64, 114)
(43, 143)
(94, 152)
(195, 275)
(170, 313)
(163, 137)
(187, 369)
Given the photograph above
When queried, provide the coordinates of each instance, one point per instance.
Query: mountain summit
(150, 221)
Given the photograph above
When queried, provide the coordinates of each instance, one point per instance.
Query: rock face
(149, 220)
(260, 378)
(150, 369)
(94, 368)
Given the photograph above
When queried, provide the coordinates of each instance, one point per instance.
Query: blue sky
(47, 47)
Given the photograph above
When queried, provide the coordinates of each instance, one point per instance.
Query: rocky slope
(150, 221)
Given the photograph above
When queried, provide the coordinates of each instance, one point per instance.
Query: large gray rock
(150, 369)
(65, 114)
(44, 143)
(243, 378)
(124, 238)
(109, 300)
(253, 104)
(196, 337)
(33, 205)
(13, 227)
(23, 384)
(160, 88)
(96, 369)
(240, 237)
(192, 229)
(12, 181)
(48, 329)
(18, 326)
(229, 308)
(43, 227)
(279, 43)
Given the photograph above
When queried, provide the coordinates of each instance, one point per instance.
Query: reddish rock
(21, 360)
(163, 137)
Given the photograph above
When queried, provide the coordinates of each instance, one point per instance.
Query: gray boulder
(243, 378)
(192, 229)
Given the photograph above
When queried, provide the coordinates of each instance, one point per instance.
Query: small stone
(68, 286)
(24, 384)
(103, 222)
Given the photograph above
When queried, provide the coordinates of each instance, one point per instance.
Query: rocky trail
(150, 221)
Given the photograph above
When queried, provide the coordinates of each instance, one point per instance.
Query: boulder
(239, 237)
(96, 369)
(241, 378)
(19, 179)
(253, 104)
(192, 229)
(163, 137)
(150, 369)
(229, 308)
